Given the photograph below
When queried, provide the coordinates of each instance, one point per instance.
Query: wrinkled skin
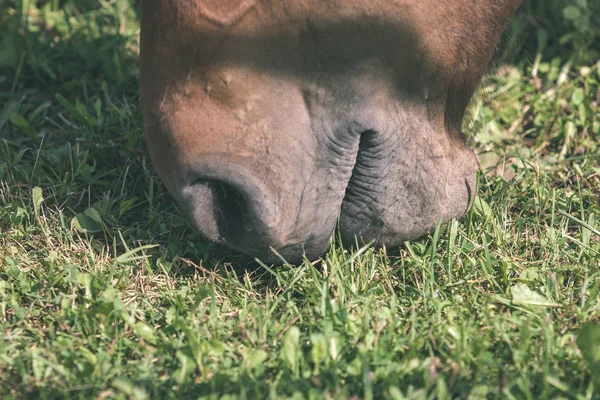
(273, 122)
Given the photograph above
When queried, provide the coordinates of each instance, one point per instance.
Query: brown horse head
(273, 122)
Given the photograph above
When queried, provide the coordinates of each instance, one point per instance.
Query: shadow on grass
(73, 51)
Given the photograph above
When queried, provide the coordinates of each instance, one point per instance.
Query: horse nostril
(232, 209)
(233, 206)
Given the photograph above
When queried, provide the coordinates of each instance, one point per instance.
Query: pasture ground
(106, 292)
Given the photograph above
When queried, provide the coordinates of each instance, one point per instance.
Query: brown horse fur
(273, 122)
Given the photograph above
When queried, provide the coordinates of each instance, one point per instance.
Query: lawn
(107, 292)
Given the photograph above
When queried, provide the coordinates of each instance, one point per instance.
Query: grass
(106, 291)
